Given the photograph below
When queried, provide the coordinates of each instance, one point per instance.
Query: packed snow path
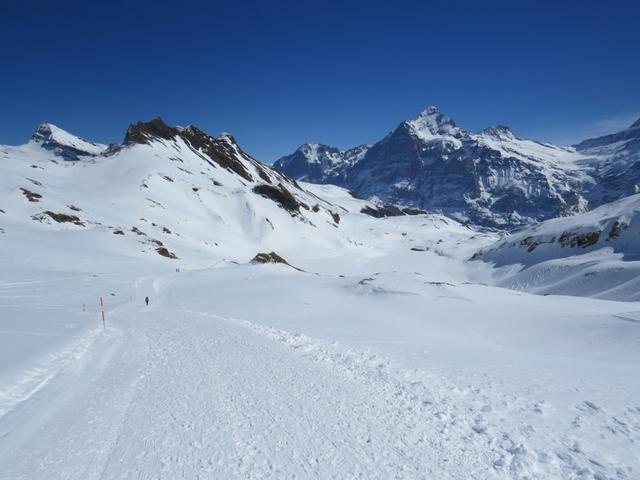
(168, 395)
(167, 392)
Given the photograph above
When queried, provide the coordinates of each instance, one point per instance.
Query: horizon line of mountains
(492, 178)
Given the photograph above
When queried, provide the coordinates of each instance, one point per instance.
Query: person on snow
(146, 300)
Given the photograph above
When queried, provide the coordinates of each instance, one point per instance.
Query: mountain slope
(491, 178)
(173, 191)
(317, 163)
(614, 163)
(64, 144)
(591, 254)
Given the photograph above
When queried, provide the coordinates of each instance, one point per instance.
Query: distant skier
(146, 300)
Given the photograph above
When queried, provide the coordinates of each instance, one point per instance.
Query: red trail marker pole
(104, 324)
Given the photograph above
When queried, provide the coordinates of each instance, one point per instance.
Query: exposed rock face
(491, 178)
(271, 257)
(616, 230)
(280, 195)
(220, 151)
(146, 132)
(64, 218)
(577, 239)
(31, 196)
(166, 253)
(383, 211)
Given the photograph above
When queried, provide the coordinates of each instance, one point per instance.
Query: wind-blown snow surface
(384, 356)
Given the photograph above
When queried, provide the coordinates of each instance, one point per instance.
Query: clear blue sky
(277, 74)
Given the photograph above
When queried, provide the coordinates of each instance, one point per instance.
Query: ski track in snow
(167, 394)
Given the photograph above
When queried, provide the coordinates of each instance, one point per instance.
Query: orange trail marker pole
(104, 325)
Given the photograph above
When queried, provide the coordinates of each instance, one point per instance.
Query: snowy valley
(378, 341)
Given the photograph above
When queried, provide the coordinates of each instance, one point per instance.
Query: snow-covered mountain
(596, 254)
(491, 178)
(168, 192)
(614, 163)
(317, 163)
(64, 144)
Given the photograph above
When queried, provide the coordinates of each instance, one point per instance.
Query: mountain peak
(499, 131)
(315, 152)
(146, 132)
(63, 143)
(432, 123)
(47, 132)
(314, 146)
(635, 124)
(44, 130)
(430, 110)
(227, 137)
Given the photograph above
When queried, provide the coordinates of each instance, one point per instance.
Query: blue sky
(277, 74)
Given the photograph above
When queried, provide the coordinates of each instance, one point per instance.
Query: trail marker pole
(83, 308)
(104, 324)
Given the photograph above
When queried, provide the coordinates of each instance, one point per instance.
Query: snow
(310, 150)
(431, 125)
(387, 355)
(511, 146)
(604, 264)
(332, 161)
(50, 133)
(321, 375)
